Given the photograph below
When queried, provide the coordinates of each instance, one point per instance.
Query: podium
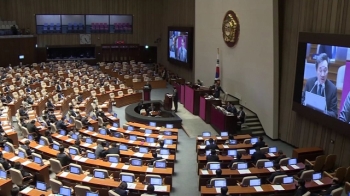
(146, 93)
(168, 104)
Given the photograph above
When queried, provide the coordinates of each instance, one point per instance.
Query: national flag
(217, 71)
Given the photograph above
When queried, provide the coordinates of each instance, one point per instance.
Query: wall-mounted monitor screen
(180, 45)
(48, 24)
(73, 23)
(120, 24)
(97, 23)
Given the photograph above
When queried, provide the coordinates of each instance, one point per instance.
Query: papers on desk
(219, 138)
(23, 140)
(69, 140)
(218, 190)
(149, 169)
(147, 134)
(160, 188)
(131, 185)
(285, 168)
(38, 146)
(295, 166)
(87, 179)
(77, 158)
(165, 156)
(205, 172)
(13, 159)
(277, 187)
(225, 146)
(318, 182)
(127, 131)
(258, 188)
(83, 159)
(165, 146)
(213, 171)
(8, 131)
(26, 162)
(94, 134)
(114, 165)
(64, 174)
(86, 144)
(130, 141)
(152, 144)
(160, 136)
(199, 138)
(58, 136)
(244, 171)
(201, 147)
(158, 128)
(270, 169)
(125, 167)
(271, 154)
(86, 131)
(113, 128)
(26, 190)
(138, 154)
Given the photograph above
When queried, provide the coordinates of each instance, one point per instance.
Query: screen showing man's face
(322, 72)
(182, 43)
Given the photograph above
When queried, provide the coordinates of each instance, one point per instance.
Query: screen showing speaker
(180, 45)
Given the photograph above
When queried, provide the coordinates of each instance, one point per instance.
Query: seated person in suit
(280, 156)
(28, 89)
(231, 108)
(230, 137)
(258, 155)
(301, 190)
(260, 143)
(60, 96)
(276, 173)
(32, 128)
(121, 190)
(101, 150)
(9, 98)
(26, 175)
(63, 157)
(77, 145)
(224, 191)
(335, 184)
(307, 167)
(6, 165)
(213, 157)
(27, 148)
(15, 191)
(114, 149)
(61, 124)
(237, 160)
(29, 100)
(161, 144)
(72, 112)
(211, 145)
(218, 174)
(80, 98)
(155, 158)
(50, 105)
(23, 112)
(150, 190)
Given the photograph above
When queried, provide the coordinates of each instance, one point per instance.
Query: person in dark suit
(212, 145)
(48, 136)
(6, 165)
(212, 157)
(344, 114)
(64, 157)
(175, 99)
(240, 118)
(224, 191)
(276, 173)
(26, 175)
(140, 106)
(101, 150)
(321, 86)
(61, 124)
(121, 190)
(27, 148)
(237, 160)
(23, 112)
(28, 89)
(72, 112)
(7, 88)
(301, 190)
(217, 89)
(77, 146)
(58, 87)
(231, 108)
(60, 96)
(150, 190)
(32, 128)
(29, 100)
(9, 98)
(258, 155)
(155, 158)
(50, 105)
(80, 98)
(218, 174)
(280, 156)
(260, 143)
(335, 184)
(151, 108)
(148, 85)
(114, 149)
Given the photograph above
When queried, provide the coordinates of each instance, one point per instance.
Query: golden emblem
(230, 28)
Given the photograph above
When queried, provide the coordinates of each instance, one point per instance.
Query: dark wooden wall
(11, 48)
(322, 16)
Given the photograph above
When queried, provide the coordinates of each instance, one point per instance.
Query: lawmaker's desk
(268, 189)
(5, 186)
(201, 148)
(155, 84)
(127, 99)
(30, 166)
(102, 182)
(222, 122)
(309, 153)
(142, 134)
(34, 192)
(124, 141)
(174, 131)
(222, 140)
(205, 107)
(112, 119)
(233, 175)
(12, 134)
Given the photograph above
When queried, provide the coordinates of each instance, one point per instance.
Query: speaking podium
(146, 93)
(168, 104)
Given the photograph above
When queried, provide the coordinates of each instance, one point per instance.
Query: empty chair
(330, 162)
(81, 190)
(212, 181)
(55, 185)
(112, 193)
(127, 174)
(260, 163)
(337, 192)
(17, 178)
(278, 179)
(284, 161)
(307, 175)
(245, 180)
(130, 91)
(339, 173)
(318, 164)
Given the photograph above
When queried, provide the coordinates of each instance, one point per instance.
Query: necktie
(319, 90)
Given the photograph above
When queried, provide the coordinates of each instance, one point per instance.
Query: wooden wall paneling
(327, 16)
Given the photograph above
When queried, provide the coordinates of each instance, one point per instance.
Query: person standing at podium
(148, 85)
(175, 98)
(217, 89)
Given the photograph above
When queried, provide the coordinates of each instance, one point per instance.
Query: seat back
(347, 175)
(208, 164)
(78, 124)
(278, 179)
(103, 171)
(55, 185)
(284, 161)
(307, 194)
(307, 175)
(100, 121)
(81, 190)
(78, 166)
(11, 147)
(130, 91)
(16, 177)
(23, 151)
(46, 141)
(112, 193)
(319, 163)
(340, 173)
(127, 174)
(260, 163)
(330, 162)
(246, 141)
(347, 187)
(122, 86)
(337, 192)
(120, 93)
(264, 150)
(245, 180)
(212, 181)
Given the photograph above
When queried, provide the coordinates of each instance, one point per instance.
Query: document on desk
(77, 158)
(114, 164)
(213, 171)
(270, 169)
(125, 166)
(152, 144)
(165, 156)
(295, 166)
(94, 134)
(23, 140)
(58, 136)
(86, 144)
(218, 138)
(244, 171)
(165, 146)
(38, 146)
(26, 162)
(160, 188)
(158, 128)
(113, 128)
(131, 185)
(201, 147)
(86, 131)
(225, 146)
(199, 138)
(285, 168)
(218, 190)
(15, 158)
(127, 131)
(147, 134)
(258, 188)
(149, 169)
(64, 174)
(69, 140)
(318, 182)
(204, 172)
(160, 136)
(130, 141)
(271, 154)
(138, 154)
(87, 179)
(8, 131)
(277, 187)
(26, 190)
(83, 159)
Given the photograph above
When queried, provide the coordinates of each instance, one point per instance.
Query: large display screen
(178, 45)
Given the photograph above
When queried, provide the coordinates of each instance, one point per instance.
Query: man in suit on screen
(182, 52)
(344, 115)
(321, 86)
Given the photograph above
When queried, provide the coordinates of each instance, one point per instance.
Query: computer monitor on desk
(219, 183)
(156, 181)
(65, 191)
(224, 134)
(241, 166)
(99, 174)
(255, 182)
